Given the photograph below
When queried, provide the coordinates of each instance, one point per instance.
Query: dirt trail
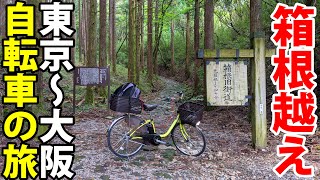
(229, 154)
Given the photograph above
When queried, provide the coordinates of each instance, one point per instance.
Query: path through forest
(229, 154)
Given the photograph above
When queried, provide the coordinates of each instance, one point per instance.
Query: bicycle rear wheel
(119, 141)
(188, 139)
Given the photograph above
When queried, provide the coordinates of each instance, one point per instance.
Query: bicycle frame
(166, 134)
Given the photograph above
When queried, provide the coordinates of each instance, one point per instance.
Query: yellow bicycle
(129, 133)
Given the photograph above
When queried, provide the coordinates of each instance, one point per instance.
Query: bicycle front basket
(190, 113)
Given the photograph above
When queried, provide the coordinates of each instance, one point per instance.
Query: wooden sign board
(85, 76)
(227, 83)
(90, 76)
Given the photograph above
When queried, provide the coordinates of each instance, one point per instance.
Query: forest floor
(229, 153)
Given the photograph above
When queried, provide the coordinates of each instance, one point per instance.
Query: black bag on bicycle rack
(126, 99)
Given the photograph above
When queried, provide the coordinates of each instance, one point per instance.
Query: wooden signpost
(85, 76)
(91, 76)
(223, 75)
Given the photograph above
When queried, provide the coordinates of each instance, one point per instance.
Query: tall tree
(196, 44)
(255, 16)
(103, 40)
(84, 31)
(172, 48)
(165, 5)
(208, 36)
(138, 36)
(156, 34)
(187, 67)
(141, 10)
(102, 34)
(91, 54)
(208, 24)
(79, 30)
(112, 35)
(149, 39)
(74, 34)
(132, 45)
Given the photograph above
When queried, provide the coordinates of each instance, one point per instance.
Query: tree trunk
(172, 48)
(79, 31)
(103, 41)
(142, 35)
(127, 23)
(112, 36)
(255, 26)
(208, 24)
(187, 68)
(156, 34)
(149, 50)
(196, 46)
(132, 45)
(91, 54)
(103, 32)
(74, 34)
(84, 31)
(160, 25)
(138, 34)
(255, 16)
(208, 38)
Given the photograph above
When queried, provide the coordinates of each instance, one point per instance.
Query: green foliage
(122, 76)
(231, 28)
(232, 24)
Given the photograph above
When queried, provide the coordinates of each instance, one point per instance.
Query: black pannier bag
(126, 99)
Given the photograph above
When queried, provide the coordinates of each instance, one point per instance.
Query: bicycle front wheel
(188, 139)
(119, 140)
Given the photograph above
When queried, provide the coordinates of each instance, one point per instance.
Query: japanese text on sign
(227, 83)
(293, 107)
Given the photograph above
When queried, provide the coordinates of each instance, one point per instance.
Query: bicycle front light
(198, 123)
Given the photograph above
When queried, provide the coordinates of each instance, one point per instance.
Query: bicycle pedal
(161, 142)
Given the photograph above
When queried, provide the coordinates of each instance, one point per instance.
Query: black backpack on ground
(126, 99)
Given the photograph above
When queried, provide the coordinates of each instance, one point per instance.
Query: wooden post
(258, 105)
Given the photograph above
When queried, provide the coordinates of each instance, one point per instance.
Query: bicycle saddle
(149, 107)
